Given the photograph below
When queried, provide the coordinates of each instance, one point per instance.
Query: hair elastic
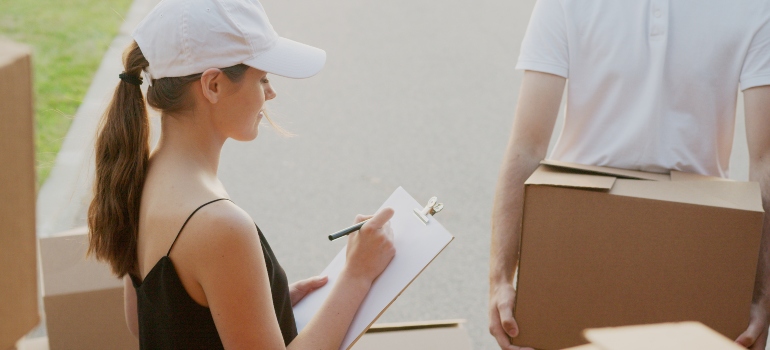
(131, 79)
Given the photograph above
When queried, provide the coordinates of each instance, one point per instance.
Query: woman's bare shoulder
(223, 224)
(219, 233)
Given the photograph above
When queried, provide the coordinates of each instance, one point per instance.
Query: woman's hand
(370, 249)
(300, 289)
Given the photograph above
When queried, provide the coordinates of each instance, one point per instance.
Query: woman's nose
(270, 93)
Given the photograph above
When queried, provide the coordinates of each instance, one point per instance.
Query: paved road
(415, 93)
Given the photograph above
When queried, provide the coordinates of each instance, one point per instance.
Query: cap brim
(290, 59)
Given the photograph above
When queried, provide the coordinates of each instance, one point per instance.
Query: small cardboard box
(18, 261)
(664, 336)
(604, 247)
(83, 300)
(445, 335)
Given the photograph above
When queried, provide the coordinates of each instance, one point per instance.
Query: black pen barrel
(347, 231)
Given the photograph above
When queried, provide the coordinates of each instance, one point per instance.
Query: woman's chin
(245, 135)
(251, 134)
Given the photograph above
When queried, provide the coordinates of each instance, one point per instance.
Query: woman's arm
(229, 265)
(225, 254)
(129, 304)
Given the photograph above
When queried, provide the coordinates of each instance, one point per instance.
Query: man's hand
(755, 337)
(300, 289)
(502, 326)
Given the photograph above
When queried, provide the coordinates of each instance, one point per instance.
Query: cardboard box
(665, 336)
(604, 247)
(445, 335)
(18, 267)
(39, 343)
(83, 300)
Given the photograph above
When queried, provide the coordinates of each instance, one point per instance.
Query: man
(652, 87)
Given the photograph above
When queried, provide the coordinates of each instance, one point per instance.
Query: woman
(198, 272)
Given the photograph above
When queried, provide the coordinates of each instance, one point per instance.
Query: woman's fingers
(360, 218)
(380, 218)
(315, 283)
(298, 290)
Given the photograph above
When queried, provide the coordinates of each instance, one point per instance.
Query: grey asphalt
(419, 94)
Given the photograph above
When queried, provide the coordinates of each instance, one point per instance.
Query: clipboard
(418, 238)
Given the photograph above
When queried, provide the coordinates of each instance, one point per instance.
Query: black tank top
(170, 319)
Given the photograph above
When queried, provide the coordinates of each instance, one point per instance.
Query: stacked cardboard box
(83, 300)
(604, 247)
(18, 281)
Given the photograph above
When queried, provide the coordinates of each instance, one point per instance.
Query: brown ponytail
(122, 152)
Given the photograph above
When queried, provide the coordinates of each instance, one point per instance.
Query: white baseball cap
(184, 37)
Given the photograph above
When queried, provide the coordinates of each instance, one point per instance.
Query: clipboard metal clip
(424, 214)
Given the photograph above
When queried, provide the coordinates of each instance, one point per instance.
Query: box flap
(66, 269)
(445, 335)
(547, 175)
(724, 194)
(12, 52)
(402, 326)
(585, 347)
(39, 343)
(621, 173)
(664, 336)
(683, 176)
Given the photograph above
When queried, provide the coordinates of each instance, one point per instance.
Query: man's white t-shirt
(652, 84)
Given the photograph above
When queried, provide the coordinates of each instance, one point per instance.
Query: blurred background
(419, 94)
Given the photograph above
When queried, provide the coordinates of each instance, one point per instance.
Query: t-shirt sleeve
(544, 48)
(756, 66)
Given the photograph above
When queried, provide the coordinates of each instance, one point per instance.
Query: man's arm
(757, 110)
(538, 106)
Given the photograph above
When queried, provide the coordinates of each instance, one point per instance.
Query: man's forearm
(507, 214)
(536, 112)
(760, 172)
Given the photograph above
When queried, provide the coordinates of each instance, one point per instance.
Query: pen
(347, 231)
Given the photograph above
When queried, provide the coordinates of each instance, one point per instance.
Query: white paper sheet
(417, 244)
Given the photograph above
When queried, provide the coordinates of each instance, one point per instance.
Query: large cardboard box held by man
(83, 300)
(18, 272)
(604, 247)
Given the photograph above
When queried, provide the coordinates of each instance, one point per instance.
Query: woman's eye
(265, 81)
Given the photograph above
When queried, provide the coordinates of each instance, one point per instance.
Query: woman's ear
(211, 84)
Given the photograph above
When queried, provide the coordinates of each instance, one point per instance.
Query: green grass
(69, 38)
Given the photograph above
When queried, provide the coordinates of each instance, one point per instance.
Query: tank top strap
(188, 219)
